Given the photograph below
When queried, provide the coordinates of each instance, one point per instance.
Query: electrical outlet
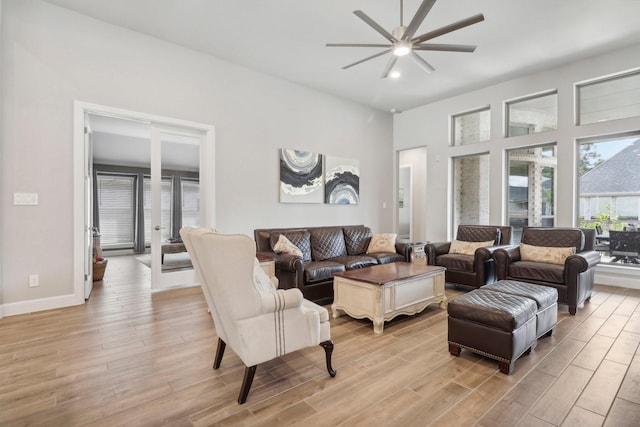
(34, 280)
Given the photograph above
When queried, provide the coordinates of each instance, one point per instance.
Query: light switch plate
(25, 199)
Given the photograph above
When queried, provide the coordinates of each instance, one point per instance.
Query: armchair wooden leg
(249, 372)
(219, 353)
(328, 350)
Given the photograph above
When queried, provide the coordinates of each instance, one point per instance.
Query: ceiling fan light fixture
(401, 48)
(395, 74)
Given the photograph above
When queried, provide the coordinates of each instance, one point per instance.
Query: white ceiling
(286, 38)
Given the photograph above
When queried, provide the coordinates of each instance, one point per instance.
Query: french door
(176, 202)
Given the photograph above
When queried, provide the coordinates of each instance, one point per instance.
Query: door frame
(207, 175)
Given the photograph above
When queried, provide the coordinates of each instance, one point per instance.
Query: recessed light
(395, 74)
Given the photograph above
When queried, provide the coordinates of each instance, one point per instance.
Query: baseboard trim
(31, 306)
(626, 277)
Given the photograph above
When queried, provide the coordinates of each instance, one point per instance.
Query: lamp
(401, 48)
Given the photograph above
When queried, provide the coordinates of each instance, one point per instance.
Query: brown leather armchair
(574, 279)
(471, 270)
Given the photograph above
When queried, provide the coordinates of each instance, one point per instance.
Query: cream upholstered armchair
(256, 320)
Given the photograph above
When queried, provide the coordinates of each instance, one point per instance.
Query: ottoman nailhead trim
(491, 356)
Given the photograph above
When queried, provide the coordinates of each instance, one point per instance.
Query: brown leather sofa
(470, 270)
(325, 251)
(573, 280)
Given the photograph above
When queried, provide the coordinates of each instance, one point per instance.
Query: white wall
(52, 57)
(429, 125)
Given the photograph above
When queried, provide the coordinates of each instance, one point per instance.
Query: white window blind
(190, 203)
(116, 197)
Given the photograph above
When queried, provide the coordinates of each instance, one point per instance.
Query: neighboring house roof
(619, 174)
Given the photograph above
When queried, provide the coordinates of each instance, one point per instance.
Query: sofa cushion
(551, 255)
(284, 246)
(537, 271)
(315, 271)
(302, 239)
(327, 243)
(456, 262)
(356, 261)
(382, 243)
(467, 248)
(357, 239)
(387, 257)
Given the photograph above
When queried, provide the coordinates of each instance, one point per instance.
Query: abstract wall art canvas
(300, 176)
(342, 181)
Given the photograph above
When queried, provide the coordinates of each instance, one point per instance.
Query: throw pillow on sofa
(284, 246)
(382, 243)
(467, 248)
(550, 255)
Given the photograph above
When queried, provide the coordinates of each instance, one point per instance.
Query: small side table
(417, 253)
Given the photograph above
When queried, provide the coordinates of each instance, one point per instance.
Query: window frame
(507, 195)
(509, 102)
(594, 81)
(452, 125)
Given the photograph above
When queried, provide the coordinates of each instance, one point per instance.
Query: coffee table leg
(336, 311)
(378, 325)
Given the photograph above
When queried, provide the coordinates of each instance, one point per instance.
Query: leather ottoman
(494, 324)
(545, 297)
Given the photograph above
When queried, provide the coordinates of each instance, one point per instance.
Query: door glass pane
(471, 190)
(532, 184)
(609, 194)
(532, 115)
(181, 203)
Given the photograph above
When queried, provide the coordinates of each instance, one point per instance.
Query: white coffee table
(382, 292)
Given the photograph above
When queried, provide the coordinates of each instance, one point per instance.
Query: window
(166, 197)
(533, 114)
(190, 203)
(116, 209)
(609, 188)
(471, 190)
(471, 127)
(532, 185)
(609, 98)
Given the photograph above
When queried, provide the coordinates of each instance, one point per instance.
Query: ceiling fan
(403, 42)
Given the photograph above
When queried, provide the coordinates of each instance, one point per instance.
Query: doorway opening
(139, 178)
(412, 194)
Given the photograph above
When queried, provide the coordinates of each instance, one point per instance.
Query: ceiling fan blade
(366, 59)
(421, 62)
(446, 47)
(389, 67)
(373, 24)
(415, 23)
(356, 45)
(449, 28)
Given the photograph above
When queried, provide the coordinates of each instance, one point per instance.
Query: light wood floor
(131, 358)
